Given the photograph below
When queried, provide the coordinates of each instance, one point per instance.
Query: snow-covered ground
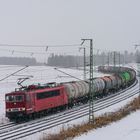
(125, 129)
(44, 74)
(85, 119)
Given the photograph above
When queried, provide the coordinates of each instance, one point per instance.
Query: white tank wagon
(108, 83)
(100, 84)
(95, 85)
(76, 90)
(80, 89)
(119, 81)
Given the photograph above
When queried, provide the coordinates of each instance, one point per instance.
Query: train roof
(35, 87)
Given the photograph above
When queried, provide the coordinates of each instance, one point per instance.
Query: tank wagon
(127, 75)
(38, 100)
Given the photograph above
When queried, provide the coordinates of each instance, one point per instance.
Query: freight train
(37, 100)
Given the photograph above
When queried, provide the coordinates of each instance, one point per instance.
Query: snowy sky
(113, 24)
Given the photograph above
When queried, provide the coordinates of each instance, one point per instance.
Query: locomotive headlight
(23, 109)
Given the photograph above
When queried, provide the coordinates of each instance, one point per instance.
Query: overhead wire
(38, 46)
(47, 46)
(12, 51)
(13, 73)
(44, 46)
(10, 66)
(30, 71)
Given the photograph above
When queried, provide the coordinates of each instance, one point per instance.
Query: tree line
(98, 59)
(18, 61)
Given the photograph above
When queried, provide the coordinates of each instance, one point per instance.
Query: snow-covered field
(125, 129)
(43, 74)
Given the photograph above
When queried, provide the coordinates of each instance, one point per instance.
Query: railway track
(13, 131)
(12, 124)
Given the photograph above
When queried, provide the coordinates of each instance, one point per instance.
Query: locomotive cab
(15, 104)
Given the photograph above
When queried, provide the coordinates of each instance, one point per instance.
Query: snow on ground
(125, 129)
(41, 74)
(85, 119)
(44, 74)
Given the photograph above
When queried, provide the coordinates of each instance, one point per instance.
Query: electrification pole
(114, 58)
(84, 61)
(119, 59)
(138, 65)
(91, 94)
(108, 58)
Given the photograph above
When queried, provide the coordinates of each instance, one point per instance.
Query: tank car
(132, 75)
(98, 86)
(108, 84)
(128, 75)
(114, 82)
(76, 92)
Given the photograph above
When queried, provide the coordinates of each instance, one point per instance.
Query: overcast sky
(112, 24)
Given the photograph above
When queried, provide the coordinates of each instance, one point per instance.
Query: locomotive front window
(16, 98)
(10, 98)
(19, 98)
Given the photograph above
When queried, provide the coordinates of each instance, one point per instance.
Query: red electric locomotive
(35, 100)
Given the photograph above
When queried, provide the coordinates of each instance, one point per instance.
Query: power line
(42, 46)
(21, 45)
(52, 46)
(14, 73)
(38, 46)
(68, 74)
(11, 66)
(13, 51)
